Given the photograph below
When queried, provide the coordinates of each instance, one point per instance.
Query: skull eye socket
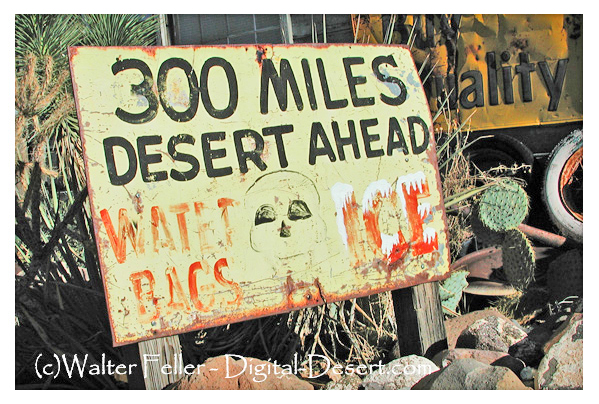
(298, 210)
(265, 214)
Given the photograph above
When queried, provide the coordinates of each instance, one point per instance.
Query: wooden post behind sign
(151, 374)
(165, 350)
(419, 317)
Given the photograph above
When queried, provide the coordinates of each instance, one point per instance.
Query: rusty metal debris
(490, 288)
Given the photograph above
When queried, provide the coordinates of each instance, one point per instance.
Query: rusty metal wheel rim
(570, 182)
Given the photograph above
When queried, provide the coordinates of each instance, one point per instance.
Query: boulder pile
(486, 351)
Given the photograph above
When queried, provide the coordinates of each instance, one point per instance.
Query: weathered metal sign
(520, 70)
(228, 183)
(514, 69)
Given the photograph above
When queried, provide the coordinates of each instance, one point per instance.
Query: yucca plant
(41, 43)
(59, 303)
(117, 29)
(59, 298)
(45, 35)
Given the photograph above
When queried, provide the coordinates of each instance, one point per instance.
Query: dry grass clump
(360, 330)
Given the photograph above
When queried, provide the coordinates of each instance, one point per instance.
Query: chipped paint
(260, 53)
(342, 196)
(227, 184)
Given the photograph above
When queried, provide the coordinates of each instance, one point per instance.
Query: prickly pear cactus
(503, 206)
(518, 259)
(564, 275)
(482, 232)
(451, 289)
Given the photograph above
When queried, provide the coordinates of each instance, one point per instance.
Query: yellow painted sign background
(209, 210)
(534, 48)
(544, 39)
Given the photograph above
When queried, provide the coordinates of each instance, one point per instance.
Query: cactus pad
(564, 275)
(503, 206)
(518, 259)
(450, 291)
(482, 232)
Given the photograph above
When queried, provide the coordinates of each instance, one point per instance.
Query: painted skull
(286, 224)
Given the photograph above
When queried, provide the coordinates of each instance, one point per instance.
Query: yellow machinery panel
(503, 71)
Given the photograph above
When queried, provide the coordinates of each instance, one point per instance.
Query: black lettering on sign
(352, 139)
(317, 132)
(508, 89)
(192, 81)
(279, 85)
(369, 138)
(554, 84)
(329, 104)
(186, 158)
(254, 155)
(353, 81)
(475, 88)
(400, 143)
(473, 94)
(113, 176)
(233, 88)
(401, 97)
(309, 84)
(492, 78)
(277, 132)
(146, 159)
(212, 154)
(417, 149)
(524, 69)
(143, 89)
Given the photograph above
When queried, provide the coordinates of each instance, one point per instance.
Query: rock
(350, 381)
(228, 373)
(468, 374)
(527, 374)
(452, 377)
(399, 374)
(561, 330)
(541, 336)
(491, 333)
(494, 358)
(529, 350)
(561, 367)
(494, 378)
(454, 326)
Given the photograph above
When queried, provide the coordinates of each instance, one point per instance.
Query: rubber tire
(503, 149)
(567, 224)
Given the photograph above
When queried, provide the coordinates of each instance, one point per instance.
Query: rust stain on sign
(223, 189)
